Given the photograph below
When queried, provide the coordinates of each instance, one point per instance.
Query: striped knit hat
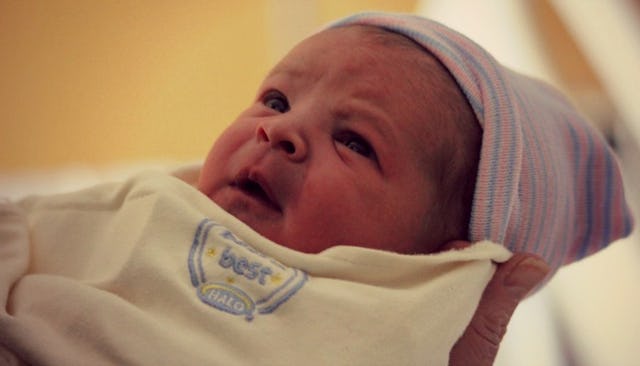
(547, 182)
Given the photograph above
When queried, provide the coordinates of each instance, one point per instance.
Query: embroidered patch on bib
(231, 276)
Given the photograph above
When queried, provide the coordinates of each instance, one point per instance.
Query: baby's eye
(357, 144)
(276, 101)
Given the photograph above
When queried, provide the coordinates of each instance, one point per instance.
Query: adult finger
(510, 284)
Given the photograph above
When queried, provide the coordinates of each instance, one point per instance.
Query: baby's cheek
(212, 171)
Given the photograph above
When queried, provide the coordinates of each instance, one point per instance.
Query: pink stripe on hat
(548, 183)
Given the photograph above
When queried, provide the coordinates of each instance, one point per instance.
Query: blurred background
(95, 90)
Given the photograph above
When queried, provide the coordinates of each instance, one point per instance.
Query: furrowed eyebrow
(382, 139)
(379, 120)
(288, 71)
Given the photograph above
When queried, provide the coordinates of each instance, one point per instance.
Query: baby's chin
(275, 231)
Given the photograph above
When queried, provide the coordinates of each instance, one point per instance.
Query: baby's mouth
(257, 190)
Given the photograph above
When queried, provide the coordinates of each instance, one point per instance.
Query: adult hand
(510, 284)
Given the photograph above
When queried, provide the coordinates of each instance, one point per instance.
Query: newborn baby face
(333, 150)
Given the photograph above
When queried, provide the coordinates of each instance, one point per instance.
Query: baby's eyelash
(275, 100)
(357, 144)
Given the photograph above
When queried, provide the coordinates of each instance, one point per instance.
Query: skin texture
(334, 145)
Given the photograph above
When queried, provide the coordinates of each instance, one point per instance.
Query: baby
(369, 147)
(357, 137)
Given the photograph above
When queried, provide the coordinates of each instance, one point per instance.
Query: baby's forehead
(421, 69)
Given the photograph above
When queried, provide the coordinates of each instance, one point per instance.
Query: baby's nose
(283, 138)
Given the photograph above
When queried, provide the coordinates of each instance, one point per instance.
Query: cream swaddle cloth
(151, 272)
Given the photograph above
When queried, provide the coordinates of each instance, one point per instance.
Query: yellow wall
(107, 82)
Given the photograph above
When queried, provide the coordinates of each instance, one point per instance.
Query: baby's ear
(455, 245)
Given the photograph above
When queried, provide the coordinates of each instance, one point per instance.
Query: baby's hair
(459, 132)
